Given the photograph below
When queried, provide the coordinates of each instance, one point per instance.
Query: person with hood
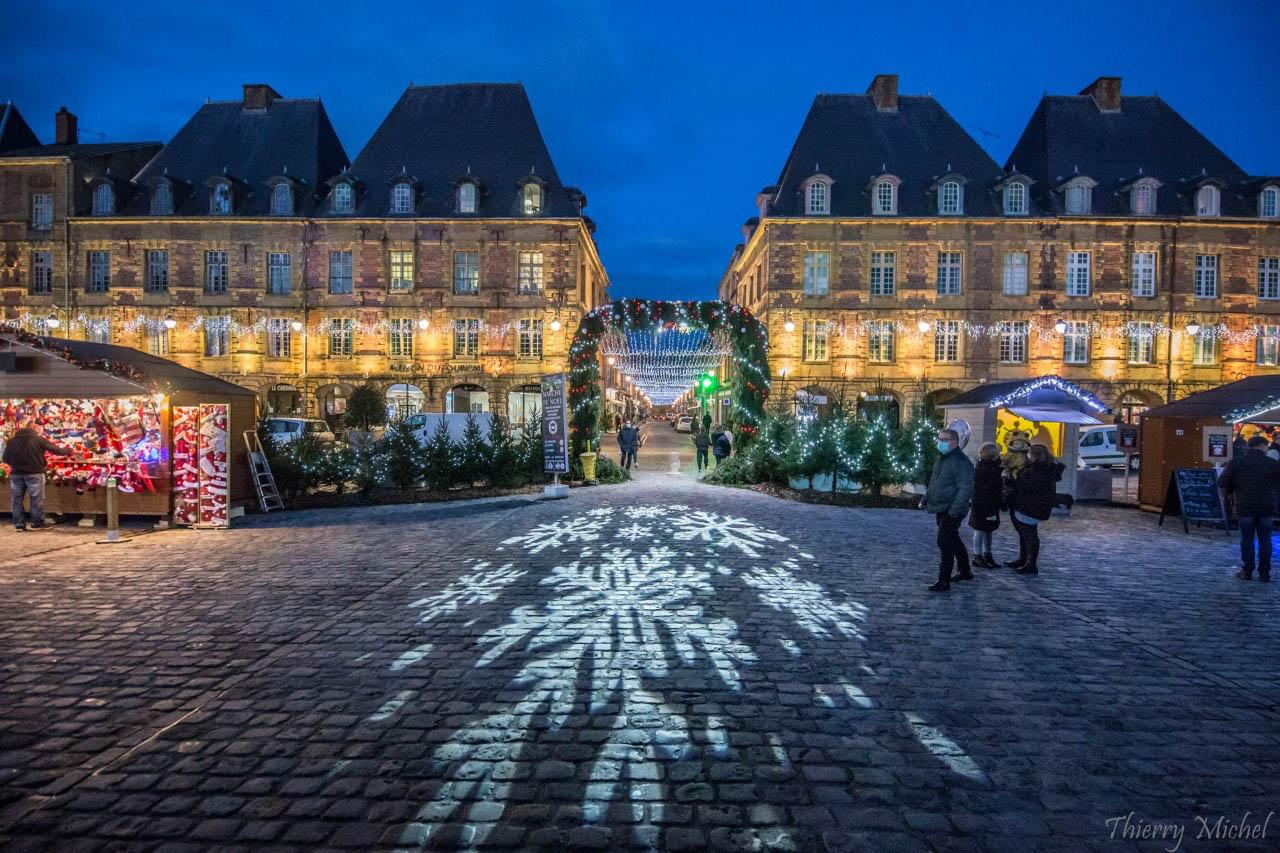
(950, 488)
(720, 444)
(24, 454)
(1032, 498)
(1250, 480)
(628, 444)
(702, 441)
(984, 517)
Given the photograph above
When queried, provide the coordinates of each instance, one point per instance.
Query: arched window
(466, 197)
(1015, 198)
(220, 201)
(104, 200)
(886, 198)
(1269, 203)
(817, 198)
(282, 200)
(531, 198)
(1079, 198)
(1142, 199)
(1207, 200)
(342, 198)
(950, 199)
(402, 197)
(162, 199)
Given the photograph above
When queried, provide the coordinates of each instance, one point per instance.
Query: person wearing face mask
(950, 488)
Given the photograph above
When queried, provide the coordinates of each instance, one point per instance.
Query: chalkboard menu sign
(1193, 494)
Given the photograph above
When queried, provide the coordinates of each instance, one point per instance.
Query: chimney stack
(884, 91)
(258, 96)
(64, 127)
(1106, 92)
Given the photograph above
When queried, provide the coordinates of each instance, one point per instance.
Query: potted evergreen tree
(366, 410)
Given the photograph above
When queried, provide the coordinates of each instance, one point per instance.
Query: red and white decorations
(202, 493)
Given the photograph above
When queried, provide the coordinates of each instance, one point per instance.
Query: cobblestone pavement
(662, 664)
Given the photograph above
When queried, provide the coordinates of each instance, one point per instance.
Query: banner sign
(555, 424)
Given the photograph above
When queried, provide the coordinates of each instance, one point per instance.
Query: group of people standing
(718, 440)
(958, 488)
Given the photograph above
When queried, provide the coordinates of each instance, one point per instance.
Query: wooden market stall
(169, 435)
(1198, 431)
(1049, 409)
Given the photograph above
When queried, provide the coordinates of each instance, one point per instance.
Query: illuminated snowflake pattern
(557, 534)
(648, 512)
(724, 531)
(635, 532)
(481, 586)
(807, 602)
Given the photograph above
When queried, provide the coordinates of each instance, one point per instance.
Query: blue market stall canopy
(1040, 397)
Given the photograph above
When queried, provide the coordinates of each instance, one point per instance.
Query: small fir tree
(441, 459)
(473, 454)
(402, 456)
(918, 448)
(876, 462)
(531, 449)
(504, 456)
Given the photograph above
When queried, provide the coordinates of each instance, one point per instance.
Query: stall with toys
(168, 435)
(1046, 410)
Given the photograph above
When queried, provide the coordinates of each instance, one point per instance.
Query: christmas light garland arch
(747, 335)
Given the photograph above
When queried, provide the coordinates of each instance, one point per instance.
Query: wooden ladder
(263, 480)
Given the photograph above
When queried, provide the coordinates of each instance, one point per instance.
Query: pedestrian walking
(1031, 501)
(628, 444)
(984, 517)
(24, 454)
(721, 445)
(950, 488)
(1251, 480)
(702, 442)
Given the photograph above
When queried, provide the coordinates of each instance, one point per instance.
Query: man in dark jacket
(628, 444)
(720, 445)
(24, 454)
(702, 441)
(1251, 480)
(950, 488)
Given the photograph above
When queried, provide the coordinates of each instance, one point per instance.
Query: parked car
(1098, 448)
(684, 424)
(285, 430)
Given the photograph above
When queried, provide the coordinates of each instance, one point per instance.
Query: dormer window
(950, 198)
(1015, 198)
(220, 200)
(1078, 196)
(402, 197)
(104, 200)
(1207, 201)
(343, 198)
(1269, 203)
(818, 198)
(1142, 198)
(531, 198)
(282, 200)
(162, 199)
(466, 197)
(884, 196)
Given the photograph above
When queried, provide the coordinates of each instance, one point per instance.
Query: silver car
(285, 430)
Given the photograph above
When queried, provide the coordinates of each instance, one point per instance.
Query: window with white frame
(1079, 198)
(1269, 278)
(949, 273)
(884, 273)
(279, 273)
(530, 339)
(817, 201)
(1144, 274)
(1075, 342)
(162, 199)
(216, 334)
(466, 338)
(216, 273)
(340, 279)
(1013, 341)
(341, 336)
(99, 271)
(400, 337)
(1142, 198)
(1015, 198)
(1268, 346)
(157, 270)
(282, 200)
(1206, 276)
(401, 264)
(529, 272)
(279, 337)
(886, 198)
(104, 200)
(1204, 347)
(220, 200)
(343, 198)
(817, 271)
(1269, 203)
(1207, 201)
(950, 198)
(880, 341)
(402, 197)
(466, 272)
(814, 340)
(41, 273)
(1015, 274)
(41, 211)
(98, 331)
(531, 199)
(946, 341)
(466, 197)
(1142, 343)
(157, 338)
(1078, 273)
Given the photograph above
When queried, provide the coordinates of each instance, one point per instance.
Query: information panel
(555, 424)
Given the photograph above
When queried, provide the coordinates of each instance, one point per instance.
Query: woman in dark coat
(1031, 503)
(984, 512)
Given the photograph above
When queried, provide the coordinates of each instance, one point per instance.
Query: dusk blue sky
(670, 116)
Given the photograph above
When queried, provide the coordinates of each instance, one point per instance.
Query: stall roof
(1043, 392)
(1244, 399)
(56, 377)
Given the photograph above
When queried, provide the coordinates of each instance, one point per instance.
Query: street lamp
(923, 326)
(789, 325)
(555, 325)
(1193, 328)
(1060, 326)
(53, 321)
(423, 323)
(296, 326)
(170, 323)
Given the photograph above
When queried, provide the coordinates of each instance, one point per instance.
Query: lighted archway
(749, 352)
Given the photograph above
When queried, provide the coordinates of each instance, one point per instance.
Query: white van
(1099, 448)
(425, 424)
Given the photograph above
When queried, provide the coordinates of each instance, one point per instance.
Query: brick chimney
(1106, 92)
(64, 127)
(884, 91)
(258, 96)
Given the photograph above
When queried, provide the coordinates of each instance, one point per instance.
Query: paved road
(661, 664)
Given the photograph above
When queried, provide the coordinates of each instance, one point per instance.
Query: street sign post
(555, 433)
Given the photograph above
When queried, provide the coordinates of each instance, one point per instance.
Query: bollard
(113, 511)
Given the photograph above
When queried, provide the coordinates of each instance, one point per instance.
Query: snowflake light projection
(808, 603)
(481, 586)
(724, 531)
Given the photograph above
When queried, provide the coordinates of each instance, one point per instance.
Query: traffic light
(707, 384)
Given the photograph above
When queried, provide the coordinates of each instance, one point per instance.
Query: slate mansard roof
(14, 130)
(286, 137)
(850, 140)
(439, 135)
